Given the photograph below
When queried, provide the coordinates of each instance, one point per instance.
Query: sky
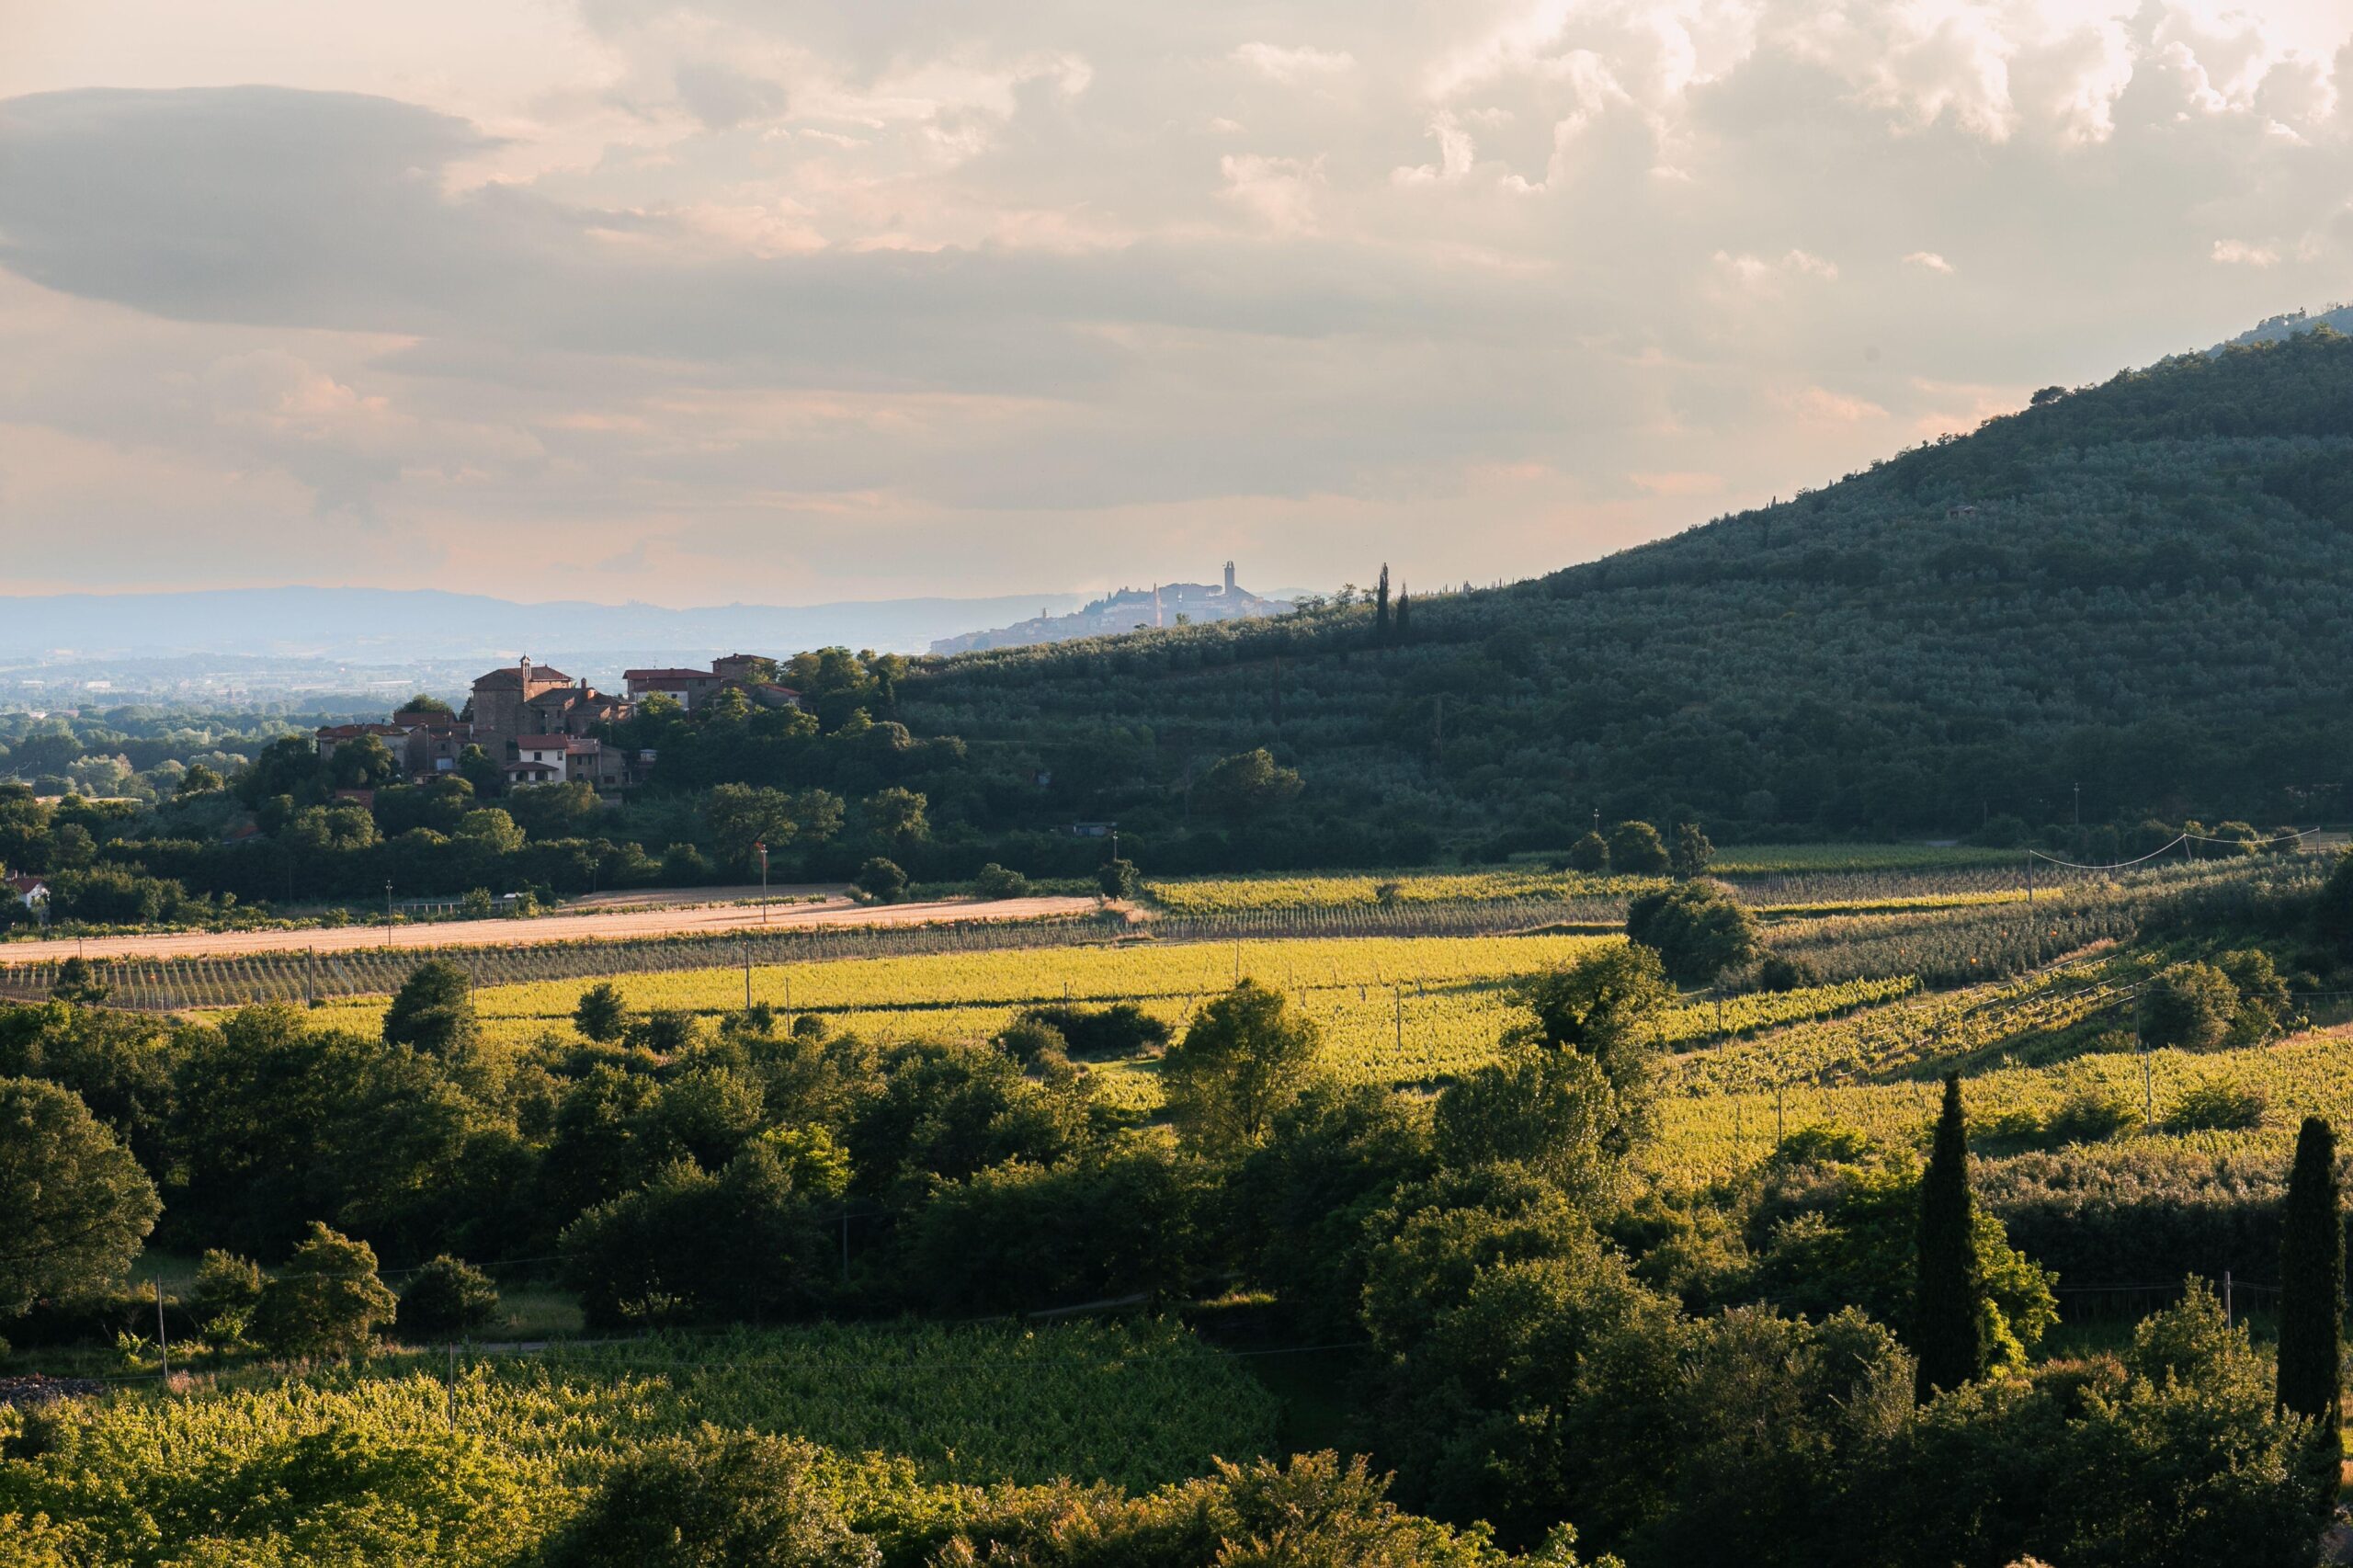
(699, 301)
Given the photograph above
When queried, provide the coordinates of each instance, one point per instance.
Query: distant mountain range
(380, 626)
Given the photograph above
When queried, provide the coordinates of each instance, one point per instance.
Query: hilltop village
(538, 725)
(1129, 609)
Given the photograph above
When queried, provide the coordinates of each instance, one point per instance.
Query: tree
(743, 816)
(447, 1298)
(2311, 1284)
(881, 880)
(74, 1206)
(493, 829)
(1947, 1306)
(1698, 929)
(1549, 1110)
(227, 1290)
(363, 764)
(1636, 849)
(1246, 784)
(896, 815)
(1692, 851)
(1603, 1007)
(425, 702)
(1245, 1059)
(200, 779)
(434, 1012)
(1589, 853)
(1403, 627)
(77, 981)
(327, 1303)
(1381, 624)
(602, 1014)
(1117, 878)
(2188, 1007)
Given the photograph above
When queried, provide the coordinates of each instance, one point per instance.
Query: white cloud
(1929, 261)
(1280, 192)
(1759, 271)
(1294, 66)
(2238, 252)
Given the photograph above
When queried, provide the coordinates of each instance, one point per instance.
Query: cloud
(1292, 66)
(723, 99)
(2238, 252)
(1754, 271)
(834, 299)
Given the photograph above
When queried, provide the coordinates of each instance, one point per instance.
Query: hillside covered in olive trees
(2141, 587)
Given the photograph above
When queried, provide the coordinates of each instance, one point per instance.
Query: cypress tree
(2311, 1282)
(1948, 1324)
(1381, 607)
(1398, 630)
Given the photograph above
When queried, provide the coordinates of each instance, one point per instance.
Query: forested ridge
(2140, 588)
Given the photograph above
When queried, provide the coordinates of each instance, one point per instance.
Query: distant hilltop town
(536, 725)
(1129, 609)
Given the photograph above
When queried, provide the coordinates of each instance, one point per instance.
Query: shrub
(2218, 1107)
(1698, 930)
(740, 1501)
(228, 1289)
(1117, 878)
(1590, 853)
(328, 1301)
(602, 1014)
(2088, 1115)
(2188, 1007)
(1782, 973)
(880, 880)
(994, 882)
(1122, 1028)
(1636, 850)
(447, 1298)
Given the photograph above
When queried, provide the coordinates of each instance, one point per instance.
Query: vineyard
(1392, 1011)
(1708, 1132)
(1136, 1404)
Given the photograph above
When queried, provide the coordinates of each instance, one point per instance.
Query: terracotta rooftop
(510, 674)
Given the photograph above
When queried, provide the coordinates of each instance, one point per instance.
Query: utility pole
(388, 914)
(762, 846)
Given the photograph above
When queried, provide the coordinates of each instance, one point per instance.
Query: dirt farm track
(674, 920)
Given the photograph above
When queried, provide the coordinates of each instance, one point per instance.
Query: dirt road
(693, 920)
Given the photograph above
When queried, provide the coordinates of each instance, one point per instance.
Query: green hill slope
(2143, 588)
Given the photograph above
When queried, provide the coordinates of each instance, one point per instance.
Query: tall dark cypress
(1404, 602)
(1381, 607)
(1948, 1325)
(2312, 1281)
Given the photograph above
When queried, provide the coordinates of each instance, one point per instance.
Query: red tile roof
(510, 674)
(641, 676)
